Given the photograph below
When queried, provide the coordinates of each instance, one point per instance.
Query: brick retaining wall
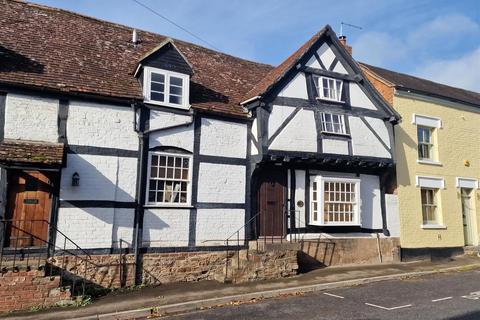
(24, 290)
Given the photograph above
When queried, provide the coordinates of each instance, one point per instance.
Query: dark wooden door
(29, 202)
(271, 203)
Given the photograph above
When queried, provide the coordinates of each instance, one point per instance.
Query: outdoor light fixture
(75, 180)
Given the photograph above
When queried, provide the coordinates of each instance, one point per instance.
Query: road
(442, 296)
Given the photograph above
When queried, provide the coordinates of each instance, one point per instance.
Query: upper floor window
(333, 123)
(425, 143)
(169, 179)
(166, 88)
(329, 88)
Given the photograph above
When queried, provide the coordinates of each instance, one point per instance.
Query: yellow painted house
(438, 163)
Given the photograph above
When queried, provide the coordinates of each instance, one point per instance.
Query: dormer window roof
(165, 75)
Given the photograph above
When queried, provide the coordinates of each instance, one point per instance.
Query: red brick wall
(26, 289)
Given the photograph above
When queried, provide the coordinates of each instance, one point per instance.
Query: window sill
(329, 100)
(335, 224)
(433, 226)
(169, 105)
(168, 206)
(343, 135)
(430, 162)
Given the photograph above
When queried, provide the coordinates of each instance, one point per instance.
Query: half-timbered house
(112, 136)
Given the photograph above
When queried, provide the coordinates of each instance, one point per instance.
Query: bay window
(169, 178)
(334, 201)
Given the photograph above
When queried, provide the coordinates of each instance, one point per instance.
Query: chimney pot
(343, 41)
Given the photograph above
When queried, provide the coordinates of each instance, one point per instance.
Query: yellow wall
(458, 140)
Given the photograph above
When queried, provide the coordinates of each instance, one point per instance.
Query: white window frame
(319, 86)
(437, 224)
(430, 145)
(147, 77)
(342, 123)
(320, 180)
(189, 183)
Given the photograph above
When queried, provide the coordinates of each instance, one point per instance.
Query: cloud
(378, 48)
(462, 72)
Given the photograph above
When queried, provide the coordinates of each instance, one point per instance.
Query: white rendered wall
(214, 226)
(370, 208)
(101, 125)
(393, 218)
(300, 134)
(313, 63)
(253, 147)
(221, 183)
(326, 55)
(296, 88)
(31, 118)
(123, 227)
(381, 128)
(166, 227)
(359, 99)
(223, 138)
(334, 146)
(161, 119)
(364, 142)
(300, 196)
(278, 115)
(340, 68)
(180, 137)
(101, 178)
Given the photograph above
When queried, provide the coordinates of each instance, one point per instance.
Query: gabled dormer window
(166, 88)
(329, 88)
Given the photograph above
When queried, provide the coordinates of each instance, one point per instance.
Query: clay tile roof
(59, 50)
(31, 152)
(277, 73)
(419, 85)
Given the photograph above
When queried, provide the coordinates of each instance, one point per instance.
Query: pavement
(440, 296)
(186, 297)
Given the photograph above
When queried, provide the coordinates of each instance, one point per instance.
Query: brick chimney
(343, 41)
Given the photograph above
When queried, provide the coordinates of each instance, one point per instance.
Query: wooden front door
(29, 202)
(271, 203)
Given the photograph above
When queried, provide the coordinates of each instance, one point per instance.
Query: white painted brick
(88, 227)
(181, 137)
(123, 226)
(166, 227)
(101, 125)
(370, 208)
(214, 226)
(101, 178)
(364, 142)
(223, 138)
(160, 119)
(300, 134)
(334, 146)
(31, 118)
(221, 183)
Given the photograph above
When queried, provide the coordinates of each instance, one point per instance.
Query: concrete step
(471, 250)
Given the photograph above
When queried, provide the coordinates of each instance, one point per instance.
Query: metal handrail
(242, 227)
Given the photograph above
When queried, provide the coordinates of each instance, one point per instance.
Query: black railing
(25, 246)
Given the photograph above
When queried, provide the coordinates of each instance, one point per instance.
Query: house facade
(117, 137)
(438, 162)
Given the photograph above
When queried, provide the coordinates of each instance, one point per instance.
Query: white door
(466, 195)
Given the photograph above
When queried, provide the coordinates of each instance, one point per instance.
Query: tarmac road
(442, 296)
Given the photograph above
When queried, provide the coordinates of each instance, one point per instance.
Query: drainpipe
(140, 190)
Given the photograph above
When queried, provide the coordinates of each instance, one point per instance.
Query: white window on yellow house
(427, 142)
(429, 206)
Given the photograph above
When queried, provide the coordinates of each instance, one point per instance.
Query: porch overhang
(328, 161)
(27, 154)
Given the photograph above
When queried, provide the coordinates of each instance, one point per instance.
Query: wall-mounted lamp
(75, 179)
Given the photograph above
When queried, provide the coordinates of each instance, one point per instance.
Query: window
(166, 87)
(334, 201)
(333, 123)
(429, 206)
(425, 145)
(329, 88)
(169, 178)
